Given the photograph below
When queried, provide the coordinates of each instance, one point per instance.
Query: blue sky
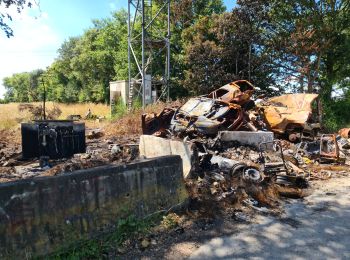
(39, 32)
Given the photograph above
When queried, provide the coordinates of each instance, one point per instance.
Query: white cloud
(33, 46)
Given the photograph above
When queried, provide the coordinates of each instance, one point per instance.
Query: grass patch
(100, 248)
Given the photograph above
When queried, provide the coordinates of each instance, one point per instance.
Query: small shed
(119, 90)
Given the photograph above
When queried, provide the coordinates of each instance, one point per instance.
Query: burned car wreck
(210, 132)
(231, 108)
(223, 109)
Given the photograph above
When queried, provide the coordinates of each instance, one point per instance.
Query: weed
(100, 247)
(170, 221)
(119, 109)
(11, 114)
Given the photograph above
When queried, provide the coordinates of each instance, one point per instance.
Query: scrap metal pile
(224, 169)
(231, 108)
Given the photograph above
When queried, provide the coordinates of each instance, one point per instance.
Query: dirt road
(317, 227)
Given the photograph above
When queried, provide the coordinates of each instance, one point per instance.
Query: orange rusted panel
(238, 92)
(345, 132)
(290, 109)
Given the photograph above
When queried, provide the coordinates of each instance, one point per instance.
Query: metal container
(53, 138)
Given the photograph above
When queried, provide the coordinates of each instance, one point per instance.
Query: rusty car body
(291, 115)
(206, 116)
(237, 92)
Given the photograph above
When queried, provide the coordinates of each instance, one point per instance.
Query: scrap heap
(234, 147)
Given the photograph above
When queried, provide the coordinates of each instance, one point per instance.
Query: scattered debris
(235, 154)
(95, 134)
(228, 153)
(344, 133)
(223, 109)
(90, 116)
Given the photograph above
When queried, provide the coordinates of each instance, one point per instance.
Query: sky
(40, 31)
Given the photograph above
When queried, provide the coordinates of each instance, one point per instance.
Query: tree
(184, 15)
(307, 39)
(87, 64)
(225, 47)
(23, 87)
(5, 16)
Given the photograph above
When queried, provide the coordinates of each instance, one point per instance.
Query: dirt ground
(315, 227)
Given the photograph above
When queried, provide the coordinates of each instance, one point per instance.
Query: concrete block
(152, 146)
(248, 138)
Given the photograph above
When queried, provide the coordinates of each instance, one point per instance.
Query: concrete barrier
(153, 146)
(41, 215)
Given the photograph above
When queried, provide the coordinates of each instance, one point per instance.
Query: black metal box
(53, 138)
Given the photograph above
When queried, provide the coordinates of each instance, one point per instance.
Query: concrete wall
(152, 146)
(44, 214)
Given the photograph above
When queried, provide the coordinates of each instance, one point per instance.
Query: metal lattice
(154, 40)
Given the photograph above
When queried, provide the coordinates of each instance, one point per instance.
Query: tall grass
(126, 123)
(10, 116)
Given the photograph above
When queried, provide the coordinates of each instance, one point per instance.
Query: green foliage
(119, 109)
(5, 16)
(99, 248)
(23, 87)
(223, 48)
(137, 103)
(336, 115)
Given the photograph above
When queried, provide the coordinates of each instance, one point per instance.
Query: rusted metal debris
(329, 150)
(222, 109)
(291, 115)
(157, 124)
(217, 169)
(345, 132)
(230, 108)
